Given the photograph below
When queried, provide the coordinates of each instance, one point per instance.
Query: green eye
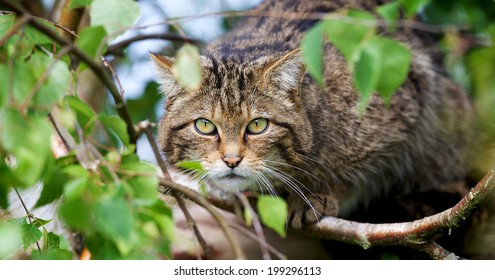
(205, 127)
(257, 126)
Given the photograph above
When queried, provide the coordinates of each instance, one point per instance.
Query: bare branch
(194, 226)
(256, 225)
(146, 126)
(203, 202)
(409, 233)
(435, 251)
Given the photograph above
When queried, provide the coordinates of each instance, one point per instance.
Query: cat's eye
(257, 126)
(205, 127)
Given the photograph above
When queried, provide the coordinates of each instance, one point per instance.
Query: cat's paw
(316, 207)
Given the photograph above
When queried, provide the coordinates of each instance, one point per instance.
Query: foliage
(105, 192)
(102, 190)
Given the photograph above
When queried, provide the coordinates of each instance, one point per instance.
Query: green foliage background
(102, 190)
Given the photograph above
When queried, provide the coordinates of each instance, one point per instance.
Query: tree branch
(146, 126)
(411, 234)
(201, 201)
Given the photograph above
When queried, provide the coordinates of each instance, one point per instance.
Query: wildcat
(260, 123)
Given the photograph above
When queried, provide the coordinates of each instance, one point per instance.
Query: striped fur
(316, 142)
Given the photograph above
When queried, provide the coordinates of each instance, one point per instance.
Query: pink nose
(232, 161)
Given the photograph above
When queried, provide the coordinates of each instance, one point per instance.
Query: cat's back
(419, 141)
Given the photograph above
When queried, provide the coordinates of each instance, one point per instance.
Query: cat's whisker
(309, 158)
(289, 178)
(293, 186)
(266, 183)
(292, 166)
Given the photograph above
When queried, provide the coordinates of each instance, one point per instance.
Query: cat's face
(246, 125)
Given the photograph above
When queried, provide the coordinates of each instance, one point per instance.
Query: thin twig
(203, 202)
(256, 225)
(114, 74)
(256, 238)
(192, 223)
(435, 251)
(59, 133)
(146, 126)
(29, 215)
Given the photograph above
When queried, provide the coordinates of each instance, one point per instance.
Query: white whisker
(293, 167)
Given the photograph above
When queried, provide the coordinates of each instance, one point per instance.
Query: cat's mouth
(233, 181)
(233, 176)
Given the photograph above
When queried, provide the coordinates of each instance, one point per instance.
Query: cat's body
(315, 145)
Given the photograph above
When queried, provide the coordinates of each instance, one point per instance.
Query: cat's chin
(233, 183)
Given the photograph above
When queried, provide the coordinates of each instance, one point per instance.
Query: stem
(256, 225)
(29, 215)
(201, 201)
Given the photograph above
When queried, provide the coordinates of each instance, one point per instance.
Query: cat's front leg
(310, 209)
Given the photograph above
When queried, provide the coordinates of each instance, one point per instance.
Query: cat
(259, 122)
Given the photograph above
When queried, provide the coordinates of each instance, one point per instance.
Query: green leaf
(187, 68)
(366, 75)
(389, 11)
(312, 50)
(150, 99)
(53, 183)
(56, 86)
(25, 137)
(26, 75)
(37, 222)
(79, 3)
(273, 213)
(90, 40)
(117, 126)
(84, 114)
(74, 189)
(191, 165)
(38, 38)
(114, 15)
(413, 6)
(53, 240)
(347, 37)
(53, 254)
(30, 234)
(102, 248)
(6, 22)
(142, 179)
(161, 215)
(394, 63)
(10, 240)
(4, 196)
(4, 82)
(113, 218)
(78, 214)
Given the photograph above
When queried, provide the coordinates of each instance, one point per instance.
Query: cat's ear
(287, 71)
(163, 65)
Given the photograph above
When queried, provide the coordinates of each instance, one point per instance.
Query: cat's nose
(232, 161)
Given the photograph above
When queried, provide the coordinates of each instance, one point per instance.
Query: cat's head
(246, 124)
